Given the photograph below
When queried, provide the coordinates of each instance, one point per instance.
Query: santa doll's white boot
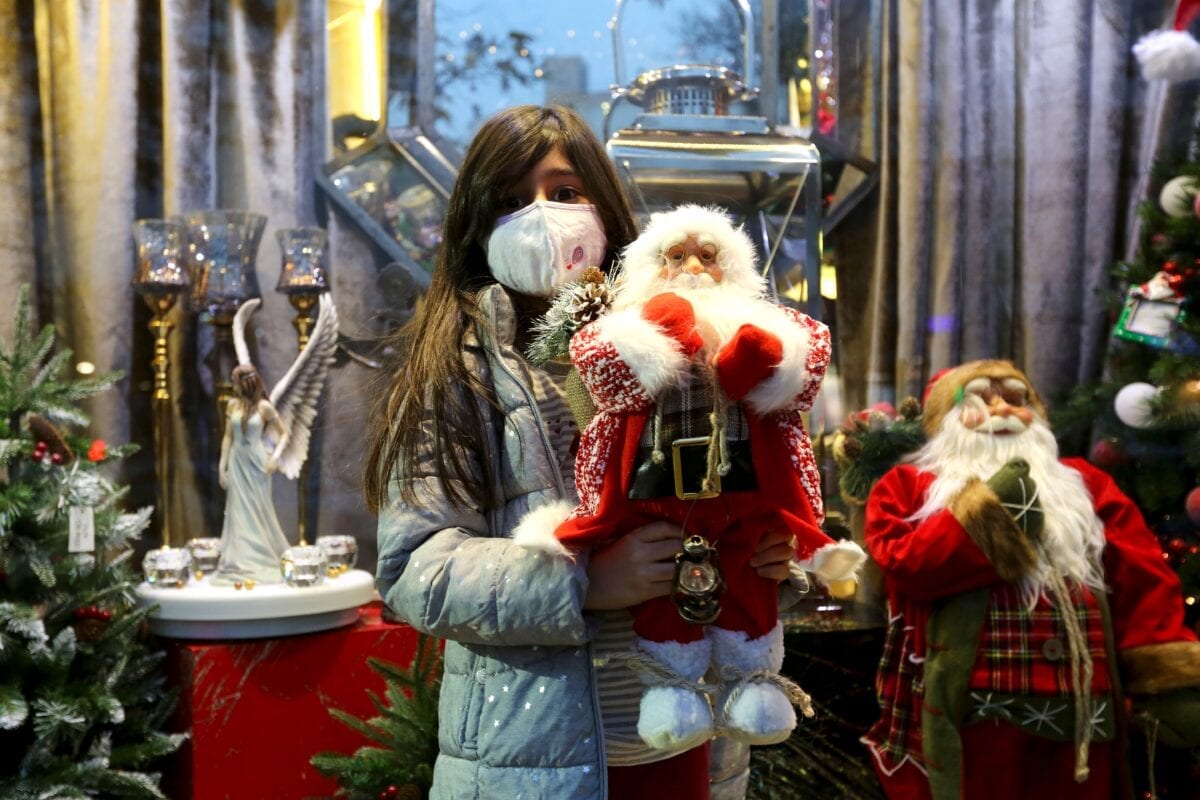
(750, 707)
(673, 714)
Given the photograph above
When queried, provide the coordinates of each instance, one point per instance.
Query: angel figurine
(264, 434)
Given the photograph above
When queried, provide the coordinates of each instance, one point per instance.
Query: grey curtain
(113, 110)
(1009, 136)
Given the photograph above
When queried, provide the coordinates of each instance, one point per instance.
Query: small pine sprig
(574, 306)
(872, 442)
(405, 729)
(30, 376)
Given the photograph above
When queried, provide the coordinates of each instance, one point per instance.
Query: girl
(471, 439)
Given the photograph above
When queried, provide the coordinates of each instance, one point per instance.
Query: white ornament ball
(1178, 196)
(1132, 404)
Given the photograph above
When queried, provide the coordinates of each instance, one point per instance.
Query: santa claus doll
(699, 381)
(1026, 597)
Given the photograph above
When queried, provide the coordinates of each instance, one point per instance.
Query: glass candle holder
(341, 551)
(305, 269)
(303, 565)
(206, 554)
(167, 566)
(161, 266)
(222, 249)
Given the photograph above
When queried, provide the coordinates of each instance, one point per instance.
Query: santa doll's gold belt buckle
(677, 450)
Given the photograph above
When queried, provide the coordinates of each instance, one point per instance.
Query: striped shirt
(619, 687)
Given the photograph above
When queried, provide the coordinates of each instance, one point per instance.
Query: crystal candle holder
(161, 246)
(206, 554)
(341, 552)
(222, 248)
(167, 566)
(303, 565)
(304, 269)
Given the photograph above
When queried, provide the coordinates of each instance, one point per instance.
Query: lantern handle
(743, 6)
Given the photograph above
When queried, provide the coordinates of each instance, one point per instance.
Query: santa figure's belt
(684, 469)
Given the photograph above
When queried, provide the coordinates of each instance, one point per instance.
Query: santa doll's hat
(945, 389)
(1171, 55)
(737, 258)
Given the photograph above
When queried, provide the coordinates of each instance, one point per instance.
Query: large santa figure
(1026, 595)
(699, 381)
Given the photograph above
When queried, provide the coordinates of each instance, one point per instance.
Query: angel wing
(295, 396)
(239, 329)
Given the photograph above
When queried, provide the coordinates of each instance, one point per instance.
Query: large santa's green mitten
(1018, 494)
(1177, 714)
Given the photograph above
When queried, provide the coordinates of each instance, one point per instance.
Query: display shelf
(201, 610)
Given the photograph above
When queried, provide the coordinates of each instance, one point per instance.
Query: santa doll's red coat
(625, 359)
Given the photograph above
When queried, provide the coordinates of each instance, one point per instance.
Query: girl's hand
(775, 551)
(638, 566)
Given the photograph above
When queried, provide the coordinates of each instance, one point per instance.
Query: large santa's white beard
(1073, 539)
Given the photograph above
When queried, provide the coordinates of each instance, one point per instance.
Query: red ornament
(1175, 282)
(1193, 506)
(1176, 546)
(1171, 267)
(56, 458)
(1107, 453)
(98, 451)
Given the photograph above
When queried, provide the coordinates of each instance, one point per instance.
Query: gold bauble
(843, 590)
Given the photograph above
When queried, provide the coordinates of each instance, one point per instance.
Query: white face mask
(545, 245)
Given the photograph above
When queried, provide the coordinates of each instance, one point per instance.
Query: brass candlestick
(159, 279)
(303, 277)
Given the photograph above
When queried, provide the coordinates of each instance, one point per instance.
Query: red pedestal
(257, 710)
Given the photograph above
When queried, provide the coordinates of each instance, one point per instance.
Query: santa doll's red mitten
(677, 319)
(747, 360)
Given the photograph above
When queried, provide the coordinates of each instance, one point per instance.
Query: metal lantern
(697, 586)
(687, 147)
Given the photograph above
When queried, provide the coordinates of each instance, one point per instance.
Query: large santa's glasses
(1012, 391)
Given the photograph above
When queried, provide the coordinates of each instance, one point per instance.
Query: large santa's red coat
(928, 562)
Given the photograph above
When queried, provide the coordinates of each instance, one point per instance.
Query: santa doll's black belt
(651, 480)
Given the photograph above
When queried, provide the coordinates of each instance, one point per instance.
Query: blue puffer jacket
(519, 715)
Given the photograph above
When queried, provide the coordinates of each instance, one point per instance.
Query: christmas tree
(1144, 418)
(401, 766)
(82, 698)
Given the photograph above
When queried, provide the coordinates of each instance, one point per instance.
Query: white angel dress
(252, 541)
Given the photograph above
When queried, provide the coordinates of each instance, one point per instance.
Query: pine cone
(910, 408)
(43, 430)
(589, 300)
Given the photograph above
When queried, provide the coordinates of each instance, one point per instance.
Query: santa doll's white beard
(1073, 539)
(724, 306)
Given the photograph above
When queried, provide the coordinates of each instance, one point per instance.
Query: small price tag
(83, 530)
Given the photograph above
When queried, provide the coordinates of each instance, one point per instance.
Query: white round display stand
(203, 611)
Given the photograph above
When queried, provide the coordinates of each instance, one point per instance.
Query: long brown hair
(249, 390)
(429, 348)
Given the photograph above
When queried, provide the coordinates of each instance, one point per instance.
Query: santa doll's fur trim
(1159, 668)
(1171, 56)
(536, 529)
(839, 561)
(791, 375)
(657, 361)
(736, 650)
(945, 392)
(642, 258)
(994, 530)
(689, 660)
